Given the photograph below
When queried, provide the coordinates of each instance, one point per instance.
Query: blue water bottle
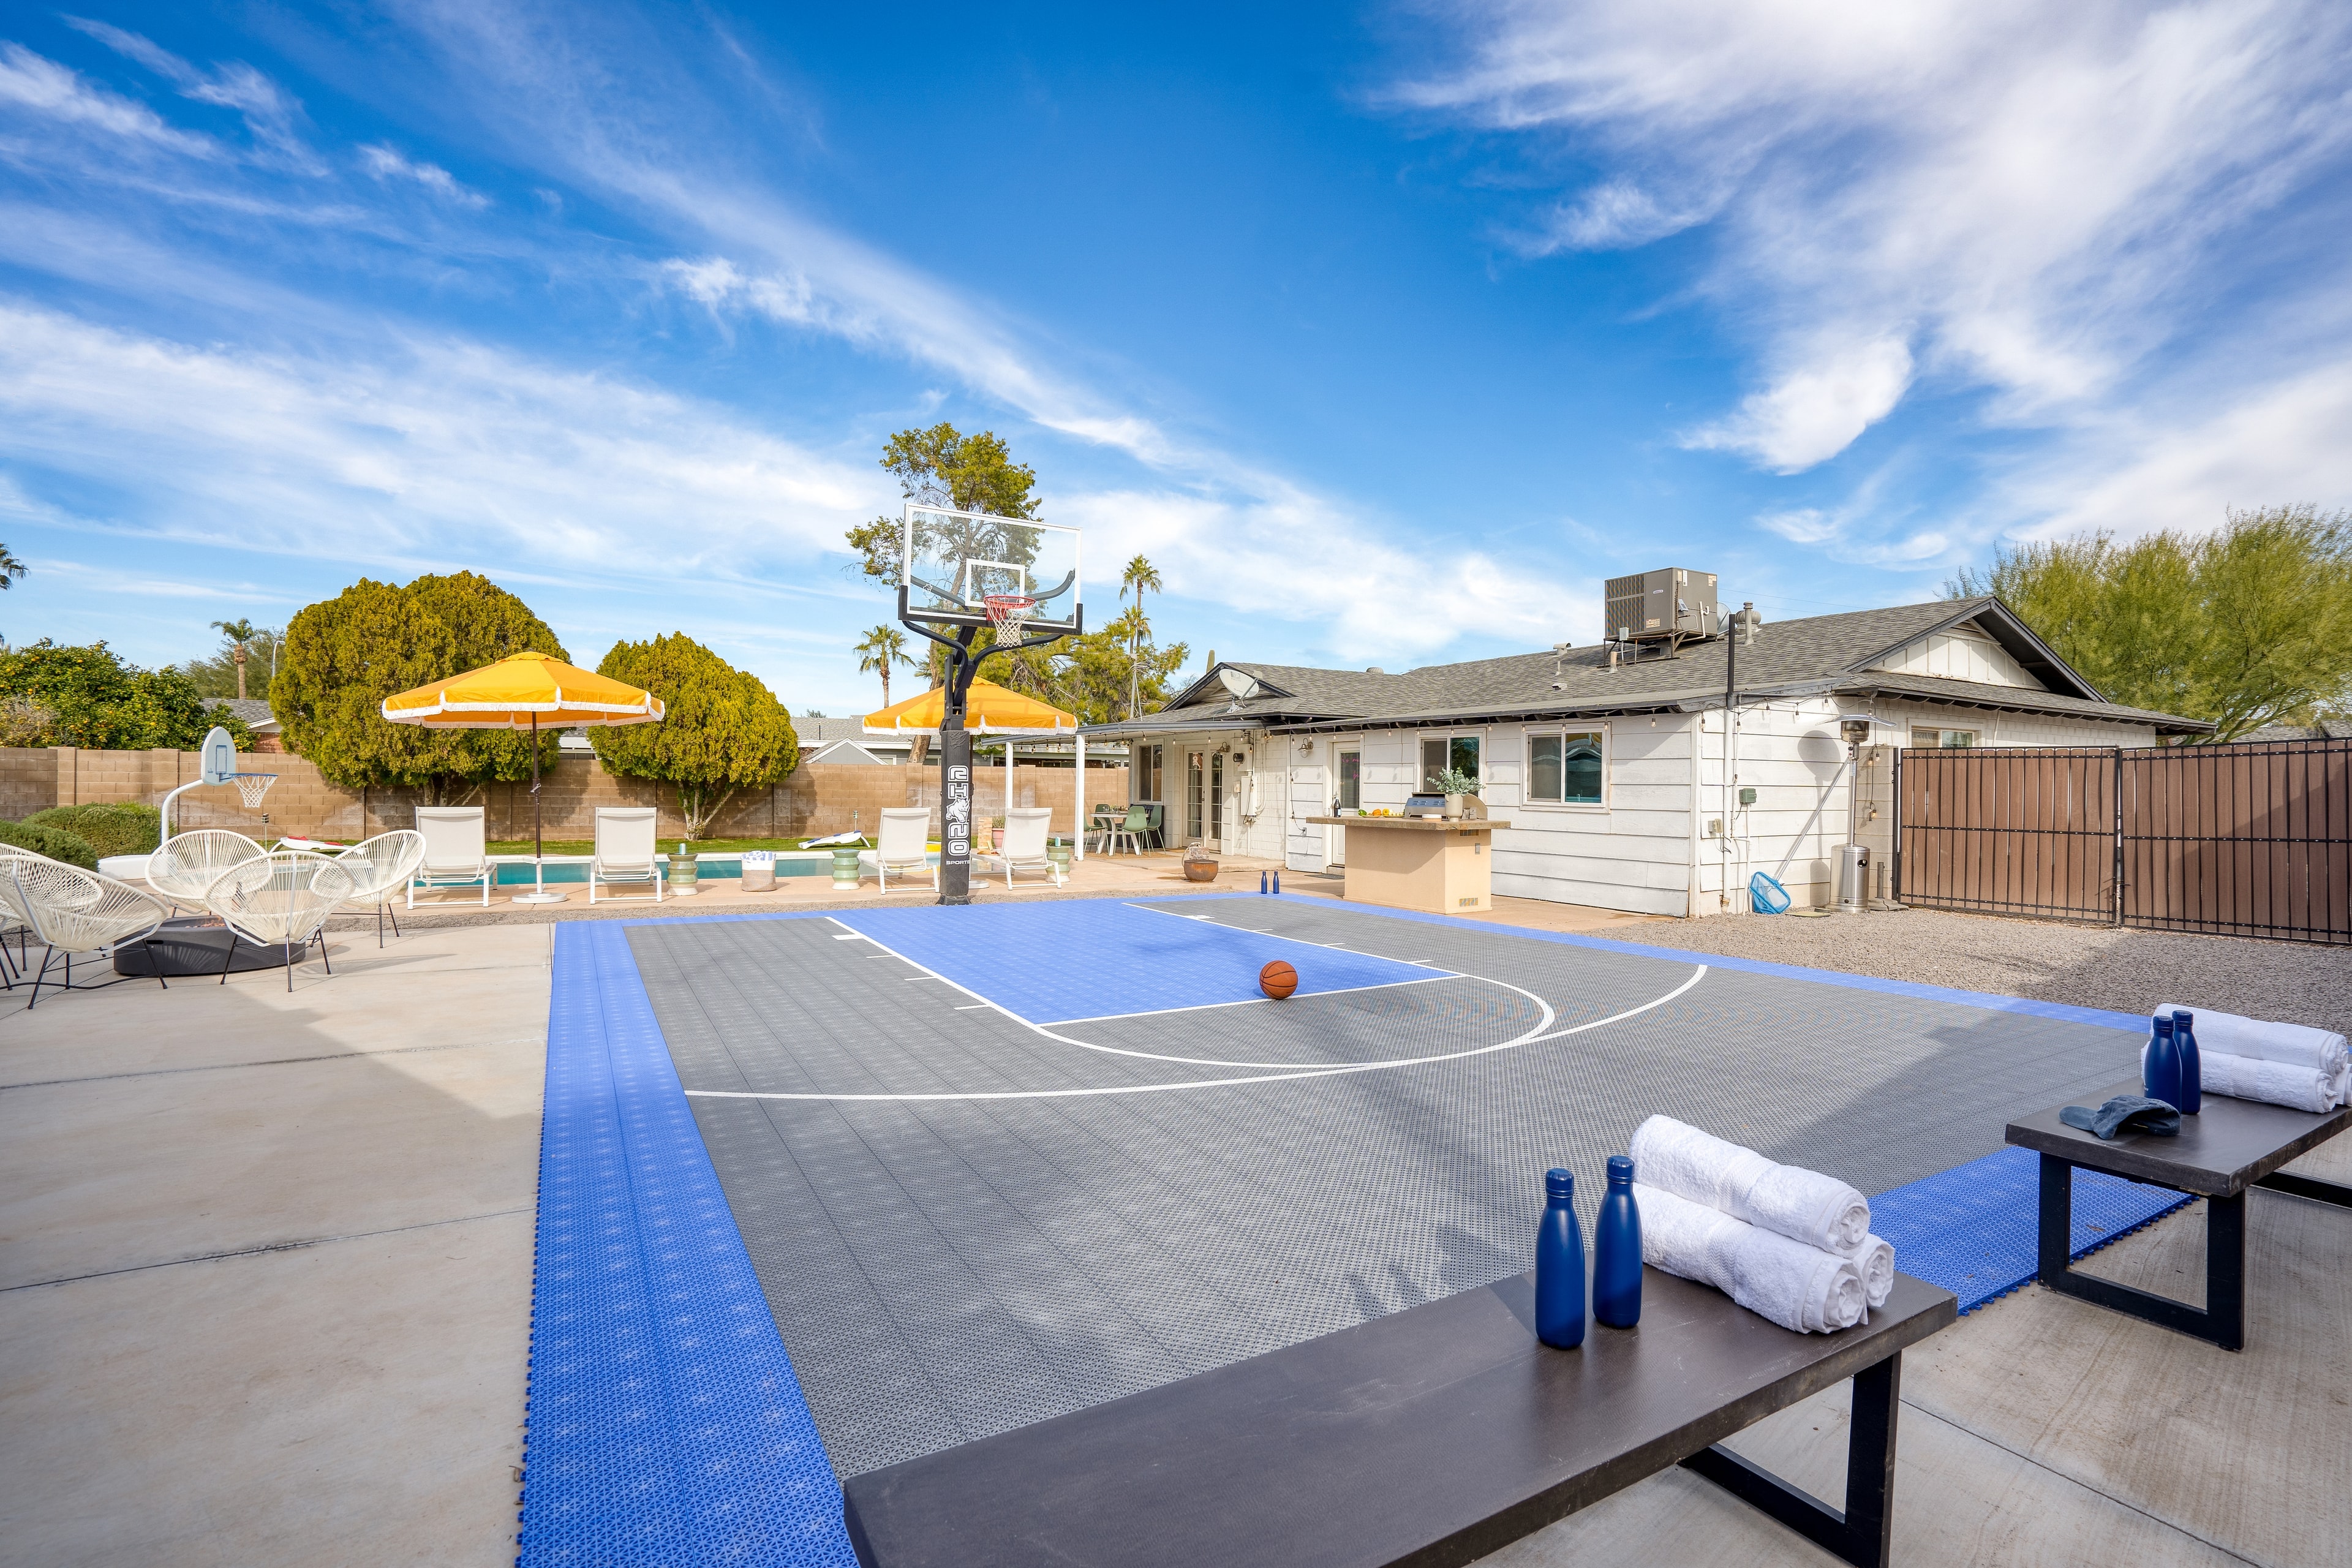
(1617, 1250)
(2160, 1074)
(1559, 1265)
(2193, 1076)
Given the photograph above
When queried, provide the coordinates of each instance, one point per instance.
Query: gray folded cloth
(2124, 1113)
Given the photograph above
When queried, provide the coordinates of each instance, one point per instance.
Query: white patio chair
(457, 852)
(281, 900)
(903, 845)
(1021, 846)
(184, 867)
(381, 867)
(625, 852)
(76, 911)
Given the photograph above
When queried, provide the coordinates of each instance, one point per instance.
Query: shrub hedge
(121, 829)
(54, 842)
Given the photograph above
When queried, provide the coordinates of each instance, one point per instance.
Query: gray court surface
(945, 1269)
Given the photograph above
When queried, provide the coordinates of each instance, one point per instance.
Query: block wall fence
(820, 798)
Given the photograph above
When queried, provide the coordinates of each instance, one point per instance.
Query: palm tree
(877, 650)
(1140, 575)
(238, 632)
(10, 568)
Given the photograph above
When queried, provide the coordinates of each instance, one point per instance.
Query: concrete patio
(266, 1289)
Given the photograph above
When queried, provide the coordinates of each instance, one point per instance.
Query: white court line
(1699, 974)
(852, 936)
(1252, 1000)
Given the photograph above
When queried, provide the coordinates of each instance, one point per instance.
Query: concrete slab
(359, 1401)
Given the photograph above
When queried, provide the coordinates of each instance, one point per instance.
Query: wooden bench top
(1432, 1435)
(2219, 1152)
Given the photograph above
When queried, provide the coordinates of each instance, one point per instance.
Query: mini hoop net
(253, 786)
(1009, 614)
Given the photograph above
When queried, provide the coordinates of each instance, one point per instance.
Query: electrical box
(1669, 605)
(1747, 794)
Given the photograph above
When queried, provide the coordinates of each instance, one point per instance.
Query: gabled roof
(254, 711)
(1818, 653)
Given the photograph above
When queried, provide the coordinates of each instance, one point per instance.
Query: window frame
(1448, 738)
(1975, 738)
(1528, 737)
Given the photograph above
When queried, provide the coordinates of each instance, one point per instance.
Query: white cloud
(36, 83)
(2034, 197)
(268, 112)
(386, 163)
(431, 450)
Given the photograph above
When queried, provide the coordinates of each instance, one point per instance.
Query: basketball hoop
(1009, 614)
(253, 786)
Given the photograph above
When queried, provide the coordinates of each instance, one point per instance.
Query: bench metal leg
(2223, 1321)
(1863, 1533)
(2311, 1188)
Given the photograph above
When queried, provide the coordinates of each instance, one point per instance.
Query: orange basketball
(1278, 980)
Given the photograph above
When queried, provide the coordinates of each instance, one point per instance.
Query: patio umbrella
(989, 709)
(516, 693)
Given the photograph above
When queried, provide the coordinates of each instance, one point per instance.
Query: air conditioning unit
(1672, 606)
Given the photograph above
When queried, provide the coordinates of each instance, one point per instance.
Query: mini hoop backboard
(975, 569)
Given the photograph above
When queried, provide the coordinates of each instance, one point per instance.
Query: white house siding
(1960, 653)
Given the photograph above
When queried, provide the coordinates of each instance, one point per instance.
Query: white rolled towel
(2273, 1083)
(1805, 1206)
(2297, 1045)
(1875, 1262)
(1777, 1278)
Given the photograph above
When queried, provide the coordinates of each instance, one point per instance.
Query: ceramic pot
(1452, 808)
(1200, 871)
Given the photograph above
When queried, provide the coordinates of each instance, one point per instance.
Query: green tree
(944, 468)
(220, 673)
(877, 650)
(344, 656)
(2246, 626)
(94, 699)
(1139, 575)
(722, 730)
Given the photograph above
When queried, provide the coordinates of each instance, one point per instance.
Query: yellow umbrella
(990, 710)
(516, 693)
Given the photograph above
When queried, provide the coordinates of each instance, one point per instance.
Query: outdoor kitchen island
(1430, 863)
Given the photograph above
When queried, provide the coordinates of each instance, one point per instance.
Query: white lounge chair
(281, 899)
(381, 867)
(903, 845)
(625, 852)
(183, 868)
(1021, 846)
(456, 851)
(77, 912)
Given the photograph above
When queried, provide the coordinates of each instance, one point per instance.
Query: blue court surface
(820, 1193)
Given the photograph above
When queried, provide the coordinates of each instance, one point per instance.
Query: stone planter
(682, 873)
(844, 867)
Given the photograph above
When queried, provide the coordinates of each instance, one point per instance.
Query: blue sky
(1387, 332)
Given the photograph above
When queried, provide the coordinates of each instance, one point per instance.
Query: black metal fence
(2251, 839)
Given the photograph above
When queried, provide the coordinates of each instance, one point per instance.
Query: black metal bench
(2233, 1145)
(1433, 1435)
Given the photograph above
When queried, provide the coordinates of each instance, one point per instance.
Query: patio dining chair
(282, 899)
(625, 852)
(183, 868)
(456, 851)
(1022, 848)
(903, 845)
(381, 867)
(1132, 828)
(78, 913)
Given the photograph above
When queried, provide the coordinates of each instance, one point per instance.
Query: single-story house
(1626, 781)
(269, 735)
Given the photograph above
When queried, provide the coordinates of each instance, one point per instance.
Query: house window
(1942, 739)
(1565, 767)
(1194, 765)
(1349, 767)
(1148, 765)
(1439, 752)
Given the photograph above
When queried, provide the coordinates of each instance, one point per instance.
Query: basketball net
(253, 786)
(1010, 614)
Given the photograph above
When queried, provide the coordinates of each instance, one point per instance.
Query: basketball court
(827, 1193)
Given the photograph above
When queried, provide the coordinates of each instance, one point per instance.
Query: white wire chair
(183, 868)
(73, 912)
(380, 868)
(13, 921)
(281, 900)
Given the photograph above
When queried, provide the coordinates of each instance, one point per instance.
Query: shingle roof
(252, 710)
(1821, 653)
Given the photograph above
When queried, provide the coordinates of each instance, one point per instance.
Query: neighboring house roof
(254, 711)
(841, 751)
(817, 733)
(1820, 655)
(2325, 729)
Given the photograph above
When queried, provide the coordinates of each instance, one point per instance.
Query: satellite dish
(218, 758)
(1242, 685)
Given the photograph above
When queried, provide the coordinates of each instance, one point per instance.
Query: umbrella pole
(539, 893)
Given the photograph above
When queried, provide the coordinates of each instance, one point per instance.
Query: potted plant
(1454, 783)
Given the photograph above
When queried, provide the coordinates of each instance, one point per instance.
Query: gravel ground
(2089, 966)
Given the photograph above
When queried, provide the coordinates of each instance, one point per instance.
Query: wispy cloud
(270, 114)
(386, 162)
(35, 84)
(2001, 194)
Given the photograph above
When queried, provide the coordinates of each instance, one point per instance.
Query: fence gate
(2250, 839)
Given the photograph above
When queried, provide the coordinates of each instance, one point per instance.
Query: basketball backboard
(954, 562)
(218, 758)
